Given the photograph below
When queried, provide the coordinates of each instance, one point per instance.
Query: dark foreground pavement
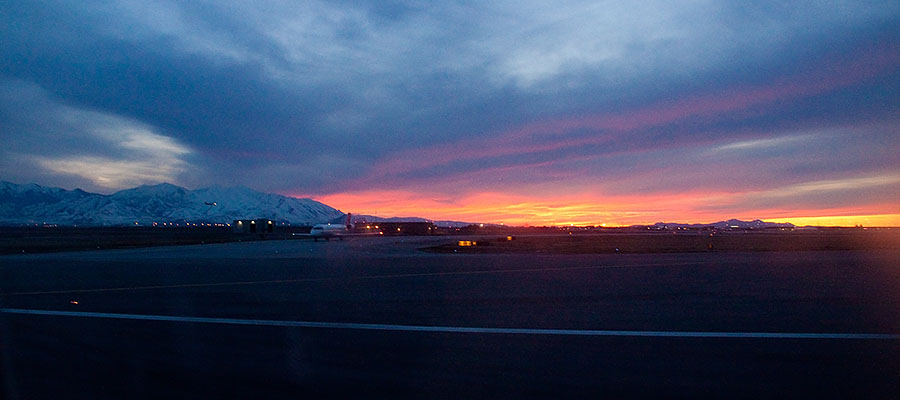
(385, 281)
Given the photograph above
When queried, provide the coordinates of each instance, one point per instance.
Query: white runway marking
(457, 329)
(391, 276)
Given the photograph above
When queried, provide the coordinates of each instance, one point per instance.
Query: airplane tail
(349, 222)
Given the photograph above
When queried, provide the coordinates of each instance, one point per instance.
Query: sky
(515, 112)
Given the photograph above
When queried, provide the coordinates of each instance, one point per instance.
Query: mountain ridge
(729, 224)
(30, 204)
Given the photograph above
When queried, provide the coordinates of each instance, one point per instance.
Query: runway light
(467, 243)
(508, 238)
(73, 302)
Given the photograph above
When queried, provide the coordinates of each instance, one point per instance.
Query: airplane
(329, 230)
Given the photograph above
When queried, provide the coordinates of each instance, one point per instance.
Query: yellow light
(508, 238)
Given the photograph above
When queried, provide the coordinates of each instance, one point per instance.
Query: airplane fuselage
(327, 231)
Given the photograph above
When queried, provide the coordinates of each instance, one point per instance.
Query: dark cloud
(321, 97)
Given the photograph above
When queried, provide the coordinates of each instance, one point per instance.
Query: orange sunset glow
(275, 199)
(585, 211)
(498, 114)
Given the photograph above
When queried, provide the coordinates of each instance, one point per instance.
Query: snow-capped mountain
(35, 204)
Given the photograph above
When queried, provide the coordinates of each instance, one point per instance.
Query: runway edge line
(457, 329)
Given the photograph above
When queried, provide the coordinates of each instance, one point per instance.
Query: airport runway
(376, 317)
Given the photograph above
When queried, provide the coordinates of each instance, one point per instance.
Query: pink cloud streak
(827, 78)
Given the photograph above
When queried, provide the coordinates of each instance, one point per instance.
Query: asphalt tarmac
(375, 317)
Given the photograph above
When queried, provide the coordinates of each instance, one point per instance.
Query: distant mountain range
(35, 204)
(372, 218)
(730, 224)
(163, 203)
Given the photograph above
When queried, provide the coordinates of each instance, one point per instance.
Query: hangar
(253, 226)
